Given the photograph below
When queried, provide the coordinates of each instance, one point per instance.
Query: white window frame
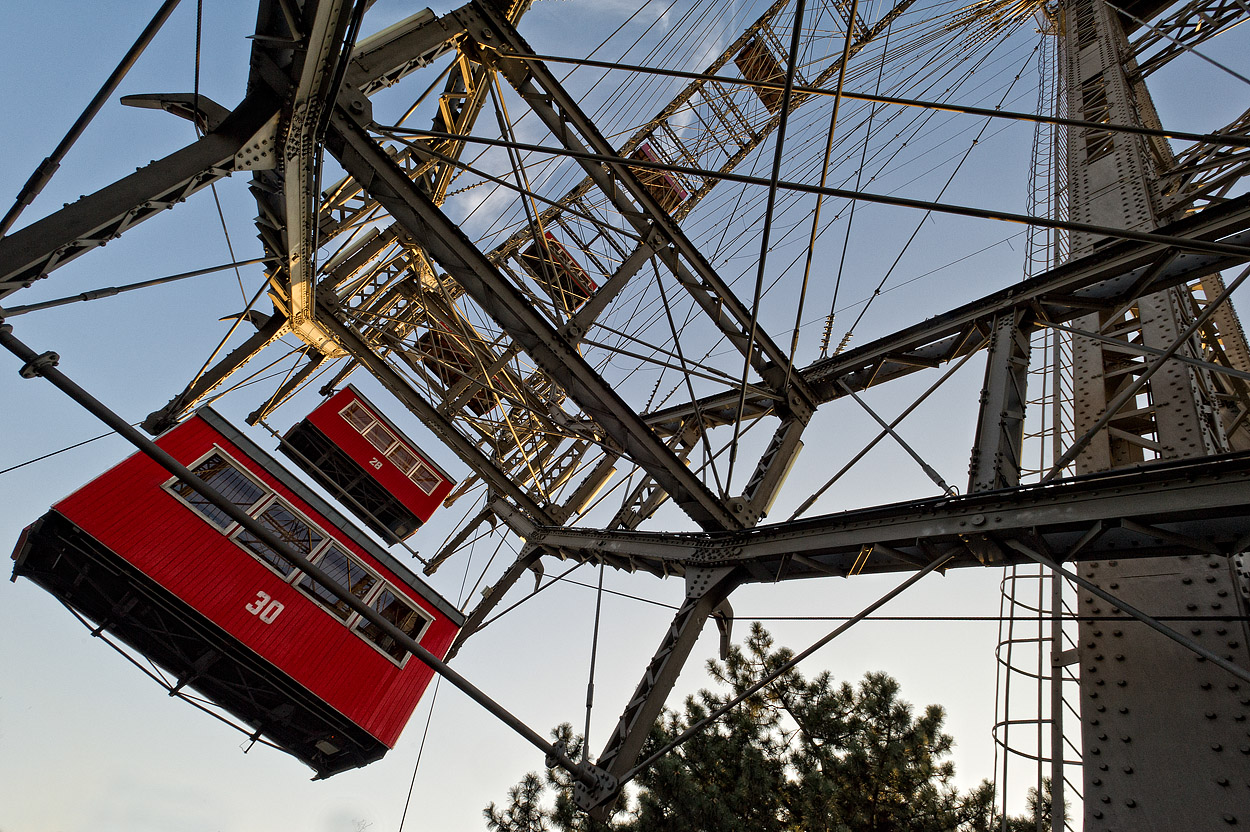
(260, 508)
(395, 440)
(354, 622)
(168, 486)
(268, 498)
(378, 580)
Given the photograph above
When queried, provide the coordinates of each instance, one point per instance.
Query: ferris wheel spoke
(686, 375)
(394, 317)
(498, 297)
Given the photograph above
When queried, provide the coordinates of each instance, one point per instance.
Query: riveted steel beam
(1193, 508)
(383, 59)
(33, 252)
(369, 163)
(706, 589)
(1115, 274)
(997, 449)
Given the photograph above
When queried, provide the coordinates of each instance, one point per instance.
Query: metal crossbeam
(33, 252)
(1195, 508)
(1110, 277)
(1188, 26)
(369, 162)
(1206, 171)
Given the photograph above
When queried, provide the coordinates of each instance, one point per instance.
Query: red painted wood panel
(128, 511)
(329, 420)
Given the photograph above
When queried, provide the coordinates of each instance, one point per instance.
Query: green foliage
(524, 812)
(799, 754)
(1038, 812)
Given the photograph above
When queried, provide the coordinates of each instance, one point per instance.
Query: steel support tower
(1137, 776)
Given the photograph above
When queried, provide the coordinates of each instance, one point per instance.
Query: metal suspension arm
(1200, 508)
(706, 589)
(33, 252)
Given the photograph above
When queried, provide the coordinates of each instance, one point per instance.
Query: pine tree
(524, 812)
(799, 754)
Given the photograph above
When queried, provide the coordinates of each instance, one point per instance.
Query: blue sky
(86, 742)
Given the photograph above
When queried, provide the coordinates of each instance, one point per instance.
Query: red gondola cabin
(377, 472)
(158, 567)
(663, 186)
(758, 64)
(549, 262)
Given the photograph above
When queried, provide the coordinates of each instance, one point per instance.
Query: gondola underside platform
(129, 606)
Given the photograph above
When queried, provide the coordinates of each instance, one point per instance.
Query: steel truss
(490, 344)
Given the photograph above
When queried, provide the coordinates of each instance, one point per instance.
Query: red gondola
(550, 263)
(756, 63)
(358, 455)
(158, 567)
(662, 185)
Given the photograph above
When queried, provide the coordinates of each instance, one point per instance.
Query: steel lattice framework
(503, 342)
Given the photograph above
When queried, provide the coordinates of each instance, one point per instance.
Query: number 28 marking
(264, 607)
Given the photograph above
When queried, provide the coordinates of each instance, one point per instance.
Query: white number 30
(264, 607)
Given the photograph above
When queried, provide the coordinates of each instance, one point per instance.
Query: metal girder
(1126, 410)
(387, 56)
(996, 451)
(772, 469)
(1189, 507)
(574, 203)
(383, 59)
(285, 200)
(858, 23)
(1118, 272)
(706, 589)
(284, 391)
(1194, 510)
(745, 139)
(1130, 13)
(313, 93)
(1194, 23)
(1111, 276)
(161, 420)
(32, 252)
(503, 46)
(716, 110)
(731, 135)
(1205, 171)
(369, 164)
(656, 234)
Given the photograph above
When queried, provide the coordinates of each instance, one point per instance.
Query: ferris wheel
(633, 293)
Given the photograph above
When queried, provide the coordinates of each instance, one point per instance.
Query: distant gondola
(368, 464)
(155, 565)
(549, 262)
(662, 185)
